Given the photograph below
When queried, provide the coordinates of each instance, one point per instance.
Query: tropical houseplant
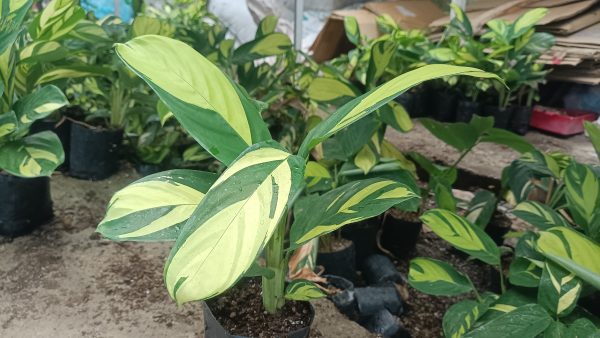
(26, 160)
(221, 224)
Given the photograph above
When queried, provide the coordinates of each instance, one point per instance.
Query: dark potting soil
(240, 312)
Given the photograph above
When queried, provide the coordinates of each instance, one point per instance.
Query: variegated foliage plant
(551, 268)
(22, 154)
(220, 225)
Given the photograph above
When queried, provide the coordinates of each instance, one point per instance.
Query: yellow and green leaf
(57, 19)
(462, 235)
(155, 207)
(261, 47)
(381, 54)
(353, 202)
(365, 159)
(394, 115)
(376, 98)
(572, 251)
(593, 131)
(35, 155)
(437, 278)
(215, 111)
(538, 215)
(11, 17)
(39, 104)
(317, 177)
(303, 290)
(558, 290)
(233, 223)
(8, 124)
(582, 188)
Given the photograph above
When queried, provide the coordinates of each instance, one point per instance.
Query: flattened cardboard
(574, 24)
(409, 14)
(587, 37)
(332, 40)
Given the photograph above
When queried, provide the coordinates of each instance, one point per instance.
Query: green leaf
(444, 198)
(462, 316)
(538, 215)
(558, 290)
(330, 90)
(317, 177)
(365, 159)
(90, 32)
(257, 270)
(42, 51)
(35, 155)
(353, 202)
(394, 115)
(267, 25)
(593, 131)
(462, 235)
(218, 114)
(526, 321)
(74, 71)
(572, 251)
(155, 207)
(264, 46)
(527, 20)
(460, 136)
(507, 138)
(8, 124)
(376, 98)
(352, 30)
(233, 223)
(437, 278)
(57, 19)
(524, 272)
(12, 14)
(348, 141)
(481, 208)
(583, 193)
(381, 54)
(39, 104)
(557, 330)
(442, 54)
(303, 290)
(583, 327)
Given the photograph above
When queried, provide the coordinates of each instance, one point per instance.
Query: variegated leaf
(352, 30)
(373, 100)
(365, 159)
(317, 177)
(437, 278)
(462, 316)
(303, 290)
(583, 193)
(42, 51)
(593, 131)
(572, 251)
(216, 112)
(526, 321)
(331, 90)
(352, 202)
(462, 235)
(558, 290)
(538, 215)
(8, 123)
(35, 155)
(394, 115)
(39, 104)
(233, 223)
(57, 19)
(381, 54)
(524, 272)
(155, 207)
(11, 18)
(261, 47)
(481, 208)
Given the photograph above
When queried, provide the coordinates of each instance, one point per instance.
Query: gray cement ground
(65, 281)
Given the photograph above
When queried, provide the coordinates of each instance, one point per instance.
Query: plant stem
(502, 285)
(273, 288)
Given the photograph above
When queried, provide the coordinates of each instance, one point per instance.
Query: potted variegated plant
(26, 160)
(224, 226)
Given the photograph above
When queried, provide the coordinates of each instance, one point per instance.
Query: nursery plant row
(273, 158)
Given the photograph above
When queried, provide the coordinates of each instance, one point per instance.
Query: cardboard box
(409, 14)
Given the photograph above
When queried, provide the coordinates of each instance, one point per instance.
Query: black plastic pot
(339, 263)
(443, 106)
(411, 102)
(399, 236)
(94, 152)
(519, 123)
(62, 129)
(379, 270)
(213, 329)
(144, 169)
(383, 323)
(25, 204)
(371, 299)
(501, 115)
(364, 236)
(344, 299)
(466, 109)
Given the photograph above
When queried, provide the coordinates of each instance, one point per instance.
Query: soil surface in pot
(335, 245)
(240, 312)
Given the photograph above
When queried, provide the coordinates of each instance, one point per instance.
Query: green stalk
(273, 288)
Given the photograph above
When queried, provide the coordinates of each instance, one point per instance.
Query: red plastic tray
(565, 122)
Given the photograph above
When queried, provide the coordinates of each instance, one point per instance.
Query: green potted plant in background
(221, 225)
(514, 50)
(26, 160)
